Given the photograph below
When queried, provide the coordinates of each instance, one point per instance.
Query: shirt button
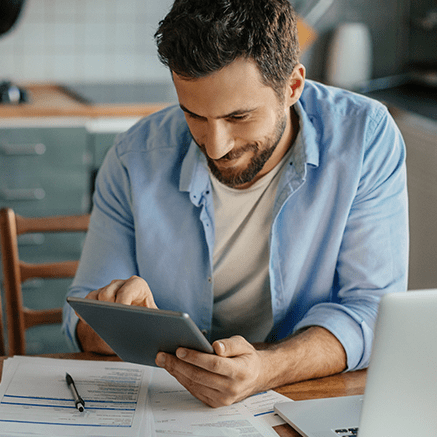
(210, 279)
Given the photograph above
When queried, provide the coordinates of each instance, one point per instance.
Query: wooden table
(345, 384)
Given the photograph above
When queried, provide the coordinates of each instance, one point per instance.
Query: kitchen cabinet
(47, 167)
(44, 170)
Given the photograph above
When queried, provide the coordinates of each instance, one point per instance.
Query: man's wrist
(310, 353)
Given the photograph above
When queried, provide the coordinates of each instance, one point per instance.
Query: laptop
(400, 398)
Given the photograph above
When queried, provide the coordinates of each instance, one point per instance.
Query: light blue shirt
(339, 236)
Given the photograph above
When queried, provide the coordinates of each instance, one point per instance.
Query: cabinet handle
(22, 193)
(22, 149)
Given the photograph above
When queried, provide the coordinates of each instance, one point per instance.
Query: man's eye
(239, 117)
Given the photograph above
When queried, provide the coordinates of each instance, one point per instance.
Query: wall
(112, 40)
(84, 41)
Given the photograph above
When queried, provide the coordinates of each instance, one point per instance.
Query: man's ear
(295, 85)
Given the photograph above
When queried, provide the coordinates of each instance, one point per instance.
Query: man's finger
(109, 293)
(210, 387)
(199, 382)
(132, 291)
(206, 362)
(135, 291)
(232, 347)
(201, 368)
(207, 395)
(92, 295)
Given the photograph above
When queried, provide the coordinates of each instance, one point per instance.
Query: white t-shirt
(243, 218)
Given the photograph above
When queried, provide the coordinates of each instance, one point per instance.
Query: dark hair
(199, 37)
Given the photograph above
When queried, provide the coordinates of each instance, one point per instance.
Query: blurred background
(112, 40)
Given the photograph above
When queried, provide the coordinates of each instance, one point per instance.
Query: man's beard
(235, 178)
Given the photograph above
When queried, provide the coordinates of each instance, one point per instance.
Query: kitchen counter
(413, 98)
(49, 100)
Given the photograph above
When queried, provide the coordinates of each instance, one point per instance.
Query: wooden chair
(15, 271)
(2, 338)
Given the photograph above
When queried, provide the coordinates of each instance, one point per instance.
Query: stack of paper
(121, 399)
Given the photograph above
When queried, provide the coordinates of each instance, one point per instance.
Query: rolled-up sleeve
(109, 250)
(373, 254)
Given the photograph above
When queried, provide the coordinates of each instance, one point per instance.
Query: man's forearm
(309, 354)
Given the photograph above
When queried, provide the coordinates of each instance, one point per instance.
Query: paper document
(121, 399)
(178, 413)
(261, 406)
(36, 400)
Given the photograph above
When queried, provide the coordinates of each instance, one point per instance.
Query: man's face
(239, 123)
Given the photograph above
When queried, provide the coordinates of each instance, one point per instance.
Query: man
(271, 209)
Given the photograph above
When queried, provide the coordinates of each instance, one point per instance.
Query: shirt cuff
(353, 332)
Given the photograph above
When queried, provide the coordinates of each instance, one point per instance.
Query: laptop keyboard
(346, 432)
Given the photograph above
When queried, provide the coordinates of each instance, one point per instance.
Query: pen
(79, 402)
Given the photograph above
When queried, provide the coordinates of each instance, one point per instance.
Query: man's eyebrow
(230, 115)
(188, 111)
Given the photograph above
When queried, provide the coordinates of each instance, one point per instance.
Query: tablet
(136, 334)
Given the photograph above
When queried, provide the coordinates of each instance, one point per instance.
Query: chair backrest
(15, 271)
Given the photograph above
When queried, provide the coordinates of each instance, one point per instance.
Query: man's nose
(218, 140)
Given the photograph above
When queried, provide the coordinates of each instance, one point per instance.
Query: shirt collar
(307, 149)
(194, 174)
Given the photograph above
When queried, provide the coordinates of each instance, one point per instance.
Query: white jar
(349, 58)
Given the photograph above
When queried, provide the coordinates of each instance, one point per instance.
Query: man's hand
(132, 291)
(240, 369)
(234, 373)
